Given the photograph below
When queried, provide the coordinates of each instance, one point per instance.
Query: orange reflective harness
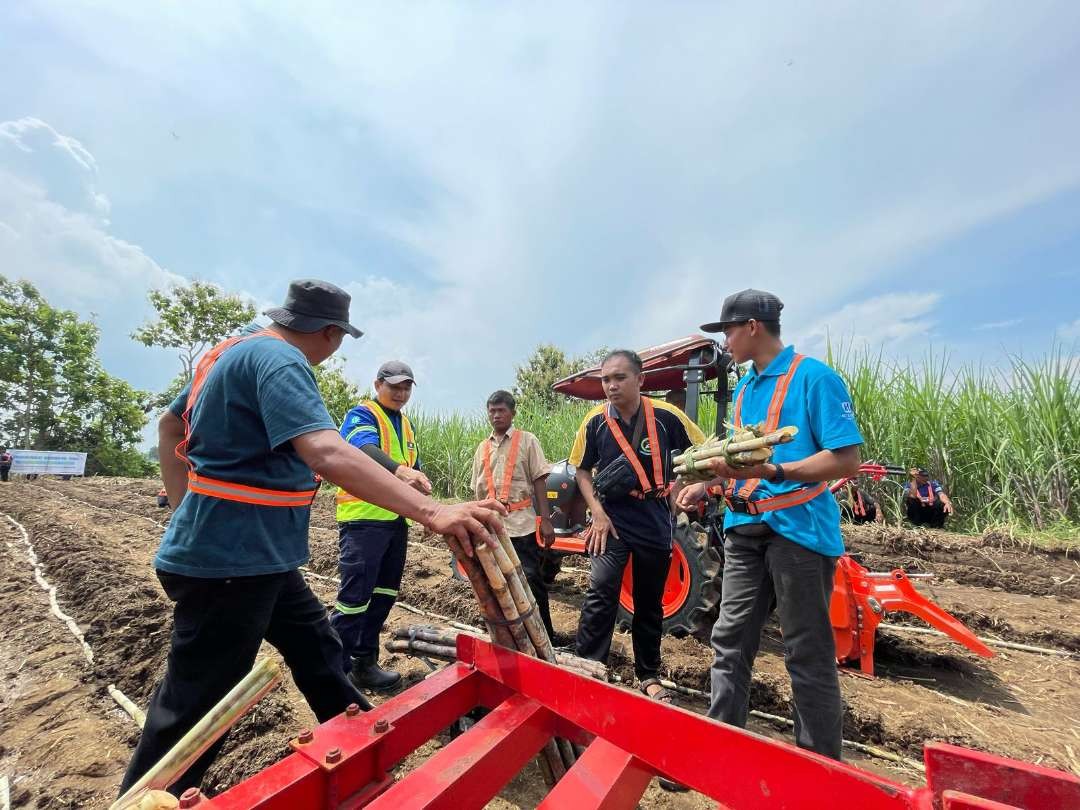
(229, 490)
(503, 494)
(929, 499)
(741, 502)
(649, 414)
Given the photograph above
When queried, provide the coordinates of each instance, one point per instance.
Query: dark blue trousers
(371, 564)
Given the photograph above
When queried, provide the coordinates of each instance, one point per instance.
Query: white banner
(47, 462)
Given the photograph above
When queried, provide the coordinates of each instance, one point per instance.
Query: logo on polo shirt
(645, 448)
(848, 410)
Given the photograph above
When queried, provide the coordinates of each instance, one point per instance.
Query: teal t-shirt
(818, 404)
(259, 395)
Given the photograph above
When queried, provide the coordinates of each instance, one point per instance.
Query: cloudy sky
(486, 177)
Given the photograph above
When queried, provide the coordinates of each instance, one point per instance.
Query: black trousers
(531, 555)
(371, 565)
(4, 472)
(601, 606)
(757, 569)
(921, 514)
(218, 625)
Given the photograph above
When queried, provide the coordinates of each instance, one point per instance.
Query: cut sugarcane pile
(441, 643)
(509, 610)
(747, 446)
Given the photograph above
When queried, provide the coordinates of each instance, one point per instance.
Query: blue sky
(487, 177)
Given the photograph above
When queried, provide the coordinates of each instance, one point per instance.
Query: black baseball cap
(394, 372)
(311, 304)
(748, 305)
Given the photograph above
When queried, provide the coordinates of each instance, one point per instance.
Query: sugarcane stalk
(262, 678)
(489, 607)
(501, 591)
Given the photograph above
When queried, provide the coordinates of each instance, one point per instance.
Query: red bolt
(305, 737)
(381, 726)
(352, 710)
(190, 797)
(333, 755)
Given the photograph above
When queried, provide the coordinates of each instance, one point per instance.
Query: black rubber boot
(367, 674)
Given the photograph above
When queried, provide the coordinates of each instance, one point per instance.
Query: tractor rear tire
(704, 564)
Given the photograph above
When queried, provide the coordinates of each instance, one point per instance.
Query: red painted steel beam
(736, 767)
(1021, 784)
(365, 753)
(604, 778)
(473, 768)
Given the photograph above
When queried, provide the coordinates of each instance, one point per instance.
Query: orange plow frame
(861, 599)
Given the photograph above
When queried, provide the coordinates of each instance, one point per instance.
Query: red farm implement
(350, 761)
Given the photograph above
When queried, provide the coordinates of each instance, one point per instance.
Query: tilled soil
(65, 742)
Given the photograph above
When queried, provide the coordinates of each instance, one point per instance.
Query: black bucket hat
(748, 305)
(311, 304)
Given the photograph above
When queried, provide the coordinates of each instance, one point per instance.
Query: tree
(337, 391)
(192, 318)
(547, 365)
(56, 395)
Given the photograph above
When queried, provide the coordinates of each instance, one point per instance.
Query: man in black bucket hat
(252, 435)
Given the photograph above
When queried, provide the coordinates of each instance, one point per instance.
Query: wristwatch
(777, 476)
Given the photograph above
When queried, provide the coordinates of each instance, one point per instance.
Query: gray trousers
(757, 570)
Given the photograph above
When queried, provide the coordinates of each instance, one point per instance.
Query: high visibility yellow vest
(401, 449)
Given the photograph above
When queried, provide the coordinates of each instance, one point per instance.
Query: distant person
(163, 498)
(509, 465)
(858, 506)
(6, 461)
(925, 500)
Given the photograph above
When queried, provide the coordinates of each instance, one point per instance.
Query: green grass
(1006, 444)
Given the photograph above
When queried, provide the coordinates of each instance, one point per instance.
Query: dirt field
(64, 742)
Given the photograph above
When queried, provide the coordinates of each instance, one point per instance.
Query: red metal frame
(349, 760)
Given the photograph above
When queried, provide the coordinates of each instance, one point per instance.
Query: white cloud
(995, 325)
(885, 320)
(1069, 331)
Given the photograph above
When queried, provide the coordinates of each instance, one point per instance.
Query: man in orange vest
(782, 525)
(925, 500)
(622, 453)
(509, 465)
(251, 434)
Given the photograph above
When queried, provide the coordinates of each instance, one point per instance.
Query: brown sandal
(664, 695)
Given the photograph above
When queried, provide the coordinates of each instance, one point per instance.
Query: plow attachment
(353, 760)
(861, 599)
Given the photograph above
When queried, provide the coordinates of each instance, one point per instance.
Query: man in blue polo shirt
(251, 433)
(782, 526)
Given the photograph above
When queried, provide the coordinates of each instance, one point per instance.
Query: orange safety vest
(930, 495)
(741, 502)
(229, 490)
(631, 453)
(508, 474)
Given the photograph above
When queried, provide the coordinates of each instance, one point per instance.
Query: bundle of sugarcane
(440, 642)
(509, 610)
(745, 447)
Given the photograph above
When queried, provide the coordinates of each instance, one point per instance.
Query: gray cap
(394, 372)
(311, 304)
(748, 305)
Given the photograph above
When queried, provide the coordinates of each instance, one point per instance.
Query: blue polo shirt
(819, 405)
(259, 395)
